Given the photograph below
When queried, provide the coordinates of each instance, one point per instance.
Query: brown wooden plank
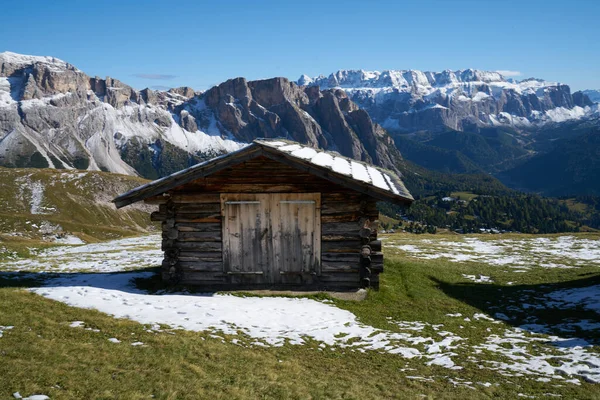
(157, 216)
(198, 208)
(198, 227)
(346, 246)
(198, 246)
(343, 217)
(340, 237)
(207, 266)
(195, 198)
(340, 228)
(245, 233)
(296, 233)
(200, 236)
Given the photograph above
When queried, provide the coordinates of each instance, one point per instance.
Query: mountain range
(54, 115)
(476, 122)
(471, 121)
(406, 101)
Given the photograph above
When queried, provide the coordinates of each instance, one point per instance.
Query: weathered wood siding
(192, 221)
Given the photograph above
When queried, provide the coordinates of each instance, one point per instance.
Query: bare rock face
(280, 108)
(184, 91)
(53, 115)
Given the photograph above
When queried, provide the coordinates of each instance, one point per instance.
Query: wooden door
(296, 224)
(271, 238)
(246, 237)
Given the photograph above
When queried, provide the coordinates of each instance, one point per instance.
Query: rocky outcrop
(53, 115)
(280, 108)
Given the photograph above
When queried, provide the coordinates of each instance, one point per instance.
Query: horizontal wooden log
(200, 236)
(157, 216)
(195, 198)
(339, 267)
(159, 199)
(346, 246)
(340, 277)
(344, 228)
(344, 206)
(196, 278)
(340, 237)
(197, 208)
(346, 195)
(212, 218)
(200, 259)
(202, 266)
(350, 257)
(204, 255)
(343, 257)
(198, 227)
(198, 246)
(345, 217)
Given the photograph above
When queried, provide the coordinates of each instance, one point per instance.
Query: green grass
(42, 354)
(467, 196)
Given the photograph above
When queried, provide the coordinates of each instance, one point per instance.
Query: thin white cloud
(508, 73)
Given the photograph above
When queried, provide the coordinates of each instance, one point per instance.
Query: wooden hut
(275, 214)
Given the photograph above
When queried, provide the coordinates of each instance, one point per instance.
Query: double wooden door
(271, 238)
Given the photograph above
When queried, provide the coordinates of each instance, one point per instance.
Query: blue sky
(201, 43)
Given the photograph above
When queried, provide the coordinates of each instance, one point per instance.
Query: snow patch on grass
(520, 254)
(586, 297)
(4, 328)
(113, 256)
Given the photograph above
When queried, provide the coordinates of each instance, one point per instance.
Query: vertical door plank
(297, 234)
(245, 233)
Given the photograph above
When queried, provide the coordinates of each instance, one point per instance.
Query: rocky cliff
(54, 115)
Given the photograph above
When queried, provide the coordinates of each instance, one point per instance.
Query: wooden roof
(377, 182)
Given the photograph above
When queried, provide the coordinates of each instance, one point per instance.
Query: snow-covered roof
(378, 177)
(365, 178)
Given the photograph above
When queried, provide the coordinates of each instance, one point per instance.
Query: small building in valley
(275, 214)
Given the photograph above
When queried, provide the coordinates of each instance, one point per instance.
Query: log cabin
(274, 214)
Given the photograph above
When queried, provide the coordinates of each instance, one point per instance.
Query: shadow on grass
(141, 281)
(528, 307)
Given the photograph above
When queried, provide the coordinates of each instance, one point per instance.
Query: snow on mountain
(22, 60)
(53, 115)
(411, 100)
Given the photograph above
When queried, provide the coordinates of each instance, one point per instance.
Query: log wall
(192, 231)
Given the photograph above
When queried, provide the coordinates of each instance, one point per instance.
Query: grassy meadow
(421, 295)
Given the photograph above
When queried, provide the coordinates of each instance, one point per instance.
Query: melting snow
(521, 254)
(478, 279)
(4, 328)
(118, 255)
(587, 297)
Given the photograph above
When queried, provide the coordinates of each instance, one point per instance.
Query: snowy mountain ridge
(412, 100)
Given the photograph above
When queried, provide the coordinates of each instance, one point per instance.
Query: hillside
(54, 207)
(571, 166)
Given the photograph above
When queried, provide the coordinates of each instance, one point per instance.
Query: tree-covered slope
(571, 167)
